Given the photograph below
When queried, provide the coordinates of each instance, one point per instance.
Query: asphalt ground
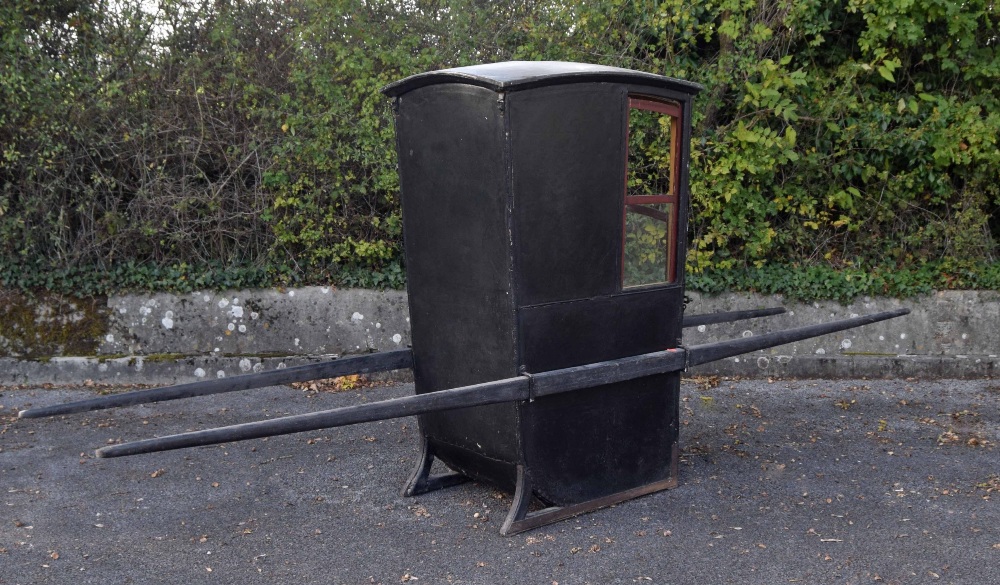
(806, 481)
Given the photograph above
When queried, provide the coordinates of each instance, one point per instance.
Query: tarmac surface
(806, 481)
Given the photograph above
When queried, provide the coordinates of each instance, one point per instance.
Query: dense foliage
(196, 143)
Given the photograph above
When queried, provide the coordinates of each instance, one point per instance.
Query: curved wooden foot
(519, 520)
(519, 508)
(421, 481)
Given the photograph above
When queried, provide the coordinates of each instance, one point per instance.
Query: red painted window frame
(673, 110)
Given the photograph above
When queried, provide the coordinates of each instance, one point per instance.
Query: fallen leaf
(158, 473)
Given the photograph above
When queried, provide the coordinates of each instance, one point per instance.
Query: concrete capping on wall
(161, 338)
(950, 334)
(138, 370)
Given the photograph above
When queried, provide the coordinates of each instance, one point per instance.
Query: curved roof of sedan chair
(518, 75)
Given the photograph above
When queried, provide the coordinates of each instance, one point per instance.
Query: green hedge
(245, 143)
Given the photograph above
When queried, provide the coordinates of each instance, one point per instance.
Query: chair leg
(519, 507)
(519, 520)
(421, 481)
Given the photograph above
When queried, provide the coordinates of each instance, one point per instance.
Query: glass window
(649, 254)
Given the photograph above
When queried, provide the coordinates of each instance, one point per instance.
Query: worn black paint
(512, 178)
(568, 173)
(451, 142)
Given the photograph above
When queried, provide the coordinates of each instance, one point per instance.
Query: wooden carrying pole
(728, 316)
(375, 362)
(524, 387)
(345, 366)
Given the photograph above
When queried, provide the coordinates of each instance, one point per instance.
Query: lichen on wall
(45, 325)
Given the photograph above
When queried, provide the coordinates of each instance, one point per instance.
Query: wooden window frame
(637, 202)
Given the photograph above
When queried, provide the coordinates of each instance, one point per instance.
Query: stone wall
(163, 338)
